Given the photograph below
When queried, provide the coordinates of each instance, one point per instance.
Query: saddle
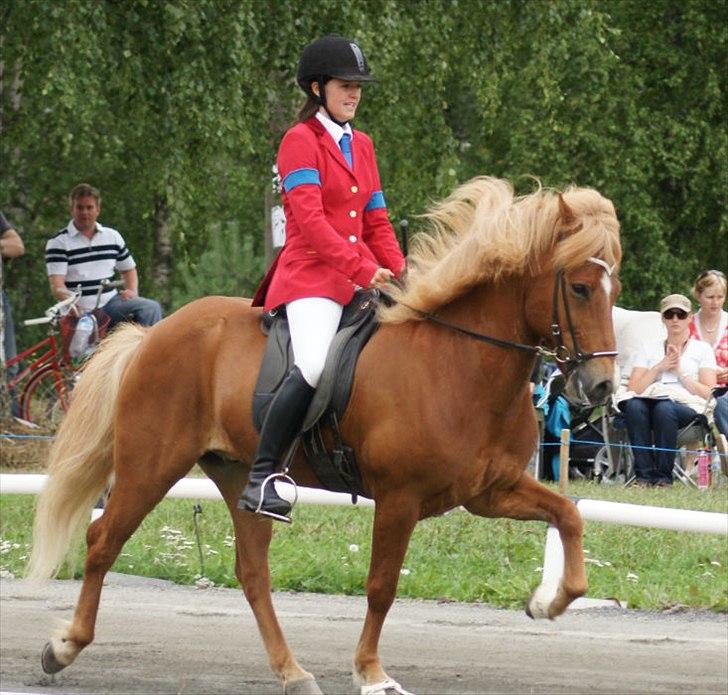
(334, 467)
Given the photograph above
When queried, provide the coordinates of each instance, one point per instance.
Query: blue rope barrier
(571, 441)
(628, 446)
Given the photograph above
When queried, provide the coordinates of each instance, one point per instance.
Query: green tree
(175, 109)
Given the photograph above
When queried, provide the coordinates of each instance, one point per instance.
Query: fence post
(564, 461)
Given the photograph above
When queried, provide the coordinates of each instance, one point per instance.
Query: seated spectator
(669, 385)
(710, 324)
(85, 252)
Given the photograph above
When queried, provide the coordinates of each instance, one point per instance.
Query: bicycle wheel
(41, 402)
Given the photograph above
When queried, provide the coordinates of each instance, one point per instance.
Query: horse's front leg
(529, 500)
(394, 520)
(253, 534)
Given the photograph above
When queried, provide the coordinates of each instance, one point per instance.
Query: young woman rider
(338, 238)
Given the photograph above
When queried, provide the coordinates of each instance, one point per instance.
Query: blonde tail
(81, 458)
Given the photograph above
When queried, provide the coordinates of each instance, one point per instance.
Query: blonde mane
(482, 232)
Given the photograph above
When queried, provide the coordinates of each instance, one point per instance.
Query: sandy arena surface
(155, 637)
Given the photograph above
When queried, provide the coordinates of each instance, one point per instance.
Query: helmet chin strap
(321, 98)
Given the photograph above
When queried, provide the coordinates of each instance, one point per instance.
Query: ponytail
(310, 108)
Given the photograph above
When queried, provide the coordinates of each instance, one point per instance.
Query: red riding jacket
(337, 229)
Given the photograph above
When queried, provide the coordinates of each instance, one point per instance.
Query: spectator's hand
(381, 277)
(671, 361)
(722, 374)
(127, 294)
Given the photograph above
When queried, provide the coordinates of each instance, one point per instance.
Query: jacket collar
(328, 142)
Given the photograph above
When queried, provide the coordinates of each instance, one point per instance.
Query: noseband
(561, 353)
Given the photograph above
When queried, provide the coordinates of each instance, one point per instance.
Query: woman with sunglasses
(671, 380)
(710, 324)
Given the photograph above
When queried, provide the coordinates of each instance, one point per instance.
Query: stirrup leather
(283, 476)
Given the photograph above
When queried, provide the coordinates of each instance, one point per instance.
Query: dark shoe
(260, 494)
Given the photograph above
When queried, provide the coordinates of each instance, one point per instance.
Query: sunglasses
(706, 273)
(672, 313)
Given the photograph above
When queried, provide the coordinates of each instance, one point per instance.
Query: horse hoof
(303, 686)
(541, 603)
(48, 660)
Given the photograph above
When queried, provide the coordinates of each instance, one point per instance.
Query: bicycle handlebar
(112, 283)
(52, 312)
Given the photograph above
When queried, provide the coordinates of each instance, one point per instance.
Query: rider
(338, 238)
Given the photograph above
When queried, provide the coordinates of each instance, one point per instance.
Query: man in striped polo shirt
(85, 253)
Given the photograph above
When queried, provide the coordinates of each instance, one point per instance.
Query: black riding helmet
(331, 56)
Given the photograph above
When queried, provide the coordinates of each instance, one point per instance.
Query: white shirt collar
(73, 229)
(334, 129)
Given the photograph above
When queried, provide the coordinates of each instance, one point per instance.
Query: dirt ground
(155, 637)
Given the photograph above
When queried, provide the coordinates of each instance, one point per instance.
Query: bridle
(568, 359)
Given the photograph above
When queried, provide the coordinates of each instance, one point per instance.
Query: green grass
(456, 557)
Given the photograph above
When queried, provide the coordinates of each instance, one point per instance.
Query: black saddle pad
(335, 466)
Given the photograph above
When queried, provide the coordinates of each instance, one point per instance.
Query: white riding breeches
(313, 322)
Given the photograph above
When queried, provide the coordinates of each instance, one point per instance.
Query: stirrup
(283, 475)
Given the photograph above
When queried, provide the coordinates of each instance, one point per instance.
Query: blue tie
(345, 145)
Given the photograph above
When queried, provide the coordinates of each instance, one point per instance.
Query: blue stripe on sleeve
(376, 201)
(299, 177)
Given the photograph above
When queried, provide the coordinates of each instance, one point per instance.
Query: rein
(560, 353)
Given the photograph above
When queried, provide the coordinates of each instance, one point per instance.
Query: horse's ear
(565, 212)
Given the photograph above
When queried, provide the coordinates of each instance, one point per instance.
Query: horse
(440, 413)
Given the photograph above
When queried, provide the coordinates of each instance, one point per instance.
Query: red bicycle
(44, 383)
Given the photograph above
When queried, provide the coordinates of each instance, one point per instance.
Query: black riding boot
(281, 425)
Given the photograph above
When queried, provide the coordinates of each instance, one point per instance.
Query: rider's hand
(127, 294)
(381, 277)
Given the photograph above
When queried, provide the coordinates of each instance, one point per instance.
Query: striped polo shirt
(86, 262)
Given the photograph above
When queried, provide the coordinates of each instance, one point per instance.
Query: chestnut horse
(437, 419)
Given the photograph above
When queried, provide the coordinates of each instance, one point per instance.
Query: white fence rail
(590, 510)
(187, 488)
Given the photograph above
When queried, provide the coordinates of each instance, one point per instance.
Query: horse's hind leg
(133, 497)
(529, 500)
(253, 534)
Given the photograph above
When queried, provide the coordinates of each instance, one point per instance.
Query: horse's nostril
(602, 390)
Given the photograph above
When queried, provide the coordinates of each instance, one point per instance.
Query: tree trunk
(163, 259)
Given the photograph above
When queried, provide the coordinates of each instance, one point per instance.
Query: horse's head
(570, 301)
(563, 249)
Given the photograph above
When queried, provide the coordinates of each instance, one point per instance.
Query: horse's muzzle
(589, 385)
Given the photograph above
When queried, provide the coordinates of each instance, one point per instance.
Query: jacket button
(355, 189)
(352, 213)
(352, 239)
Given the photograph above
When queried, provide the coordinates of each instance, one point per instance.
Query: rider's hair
(84, 190)
(309, 109)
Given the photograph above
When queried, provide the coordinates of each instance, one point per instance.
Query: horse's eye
(580, 291)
